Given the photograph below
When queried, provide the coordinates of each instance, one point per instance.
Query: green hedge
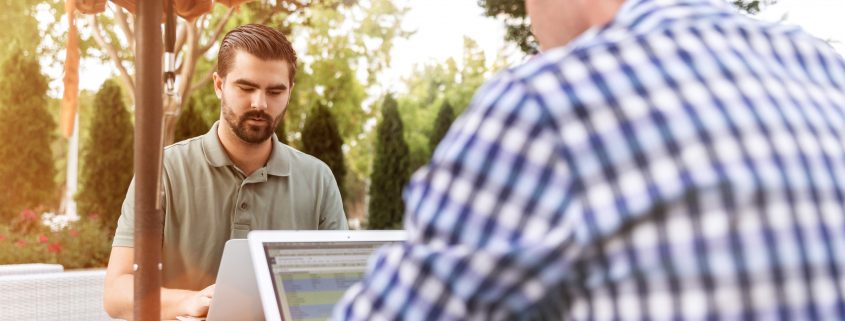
(81, 244)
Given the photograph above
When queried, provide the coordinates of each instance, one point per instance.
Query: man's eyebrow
(278, 87)
(248, 83)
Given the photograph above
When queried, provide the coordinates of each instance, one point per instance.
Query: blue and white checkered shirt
(684, 162)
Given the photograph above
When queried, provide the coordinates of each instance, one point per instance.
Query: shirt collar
(641, 16)
(280, 158)
(215, 155)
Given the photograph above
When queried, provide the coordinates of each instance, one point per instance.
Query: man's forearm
(119, 303)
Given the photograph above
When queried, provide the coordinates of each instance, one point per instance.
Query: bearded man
(236, 178)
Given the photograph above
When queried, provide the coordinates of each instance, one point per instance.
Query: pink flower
(42, 238)
(20, 243)
(2, 238)
(28, 215)
(94, 216)
(73, 232)
(54, 247)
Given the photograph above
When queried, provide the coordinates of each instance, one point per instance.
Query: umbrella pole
(148, 153)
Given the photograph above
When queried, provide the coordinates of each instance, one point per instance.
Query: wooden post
(148, 153)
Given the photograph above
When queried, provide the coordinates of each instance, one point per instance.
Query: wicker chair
(73, 295)
(16, 269)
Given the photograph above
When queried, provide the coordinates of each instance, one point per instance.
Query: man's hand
(119, 285)
(195, 304)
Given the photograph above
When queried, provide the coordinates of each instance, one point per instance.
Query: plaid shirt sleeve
(474, 253)
(684, 162)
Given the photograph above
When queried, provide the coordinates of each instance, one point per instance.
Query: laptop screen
(310, 277)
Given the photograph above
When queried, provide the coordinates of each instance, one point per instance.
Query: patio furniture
(73, 295)
(15, 269)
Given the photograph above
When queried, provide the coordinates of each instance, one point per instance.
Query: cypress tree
(27, 171)
(107, 157)
(444, 119)
(321, 139)
(390, 170)
(190, 124)
(280, 132)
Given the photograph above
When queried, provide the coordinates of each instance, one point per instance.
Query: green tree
(433, 85)
(191, 123)
(321, 139)
(281, 134)
(444, 119)
(390, 170)
(27, 171)
(376, 23)
(338, 70)
(20, 29)
(518, 28)
(751, 6)
(427, 90)
(107, 154)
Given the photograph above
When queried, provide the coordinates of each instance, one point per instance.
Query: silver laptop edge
(263, 277)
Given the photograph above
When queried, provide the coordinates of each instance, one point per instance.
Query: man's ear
(218, 84)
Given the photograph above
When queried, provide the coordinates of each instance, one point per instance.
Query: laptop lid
(302, 274)
(235, 293)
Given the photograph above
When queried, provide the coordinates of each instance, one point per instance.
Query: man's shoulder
(183, 156)
(300, 161)
(539, 72)
(184, 147)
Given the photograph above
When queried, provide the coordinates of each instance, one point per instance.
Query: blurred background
(379, 83)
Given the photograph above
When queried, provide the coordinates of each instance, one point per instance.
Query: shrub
(81, 244)
(444, 120)
(321, 139)
(390, 171)
(107, 157)
(27, 170)
(191, 123)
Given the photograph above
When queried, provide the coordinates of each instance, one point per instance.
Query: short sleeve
(332, 216)
(124, 235)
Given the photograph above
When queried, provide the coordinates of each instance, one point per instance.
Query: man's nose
(259, 100)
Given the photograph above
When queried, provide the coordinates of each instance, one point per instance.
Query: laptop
(302, 274)
(235, 293)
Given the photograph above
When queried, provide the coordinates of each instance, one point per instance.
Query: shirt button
(244, 206)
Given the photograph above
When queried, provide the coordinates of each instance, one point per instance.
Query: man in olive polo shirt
(236, 178)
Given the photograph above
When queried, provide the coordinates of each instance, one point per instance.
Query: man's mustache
(256, 114)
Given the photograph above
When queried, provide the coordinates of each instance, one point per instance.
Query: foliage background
(27, 169)
(344, 45)
(107, 152)
(390, 170)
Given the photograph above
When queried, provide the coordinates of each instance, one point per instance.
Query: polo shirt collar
(215, 155)
(280, 157)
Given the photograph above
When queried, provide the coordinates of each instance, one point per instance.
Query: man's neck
(247, 157)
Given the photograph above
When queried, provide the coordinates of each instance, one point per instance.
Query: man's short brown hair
(258, 40)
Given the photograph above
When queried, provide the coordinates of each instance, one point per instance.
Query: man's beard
(251, 133)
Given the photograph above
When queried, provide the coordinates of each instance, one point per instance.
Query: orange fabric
(90, 6)
(187, 9)
(126, 4)
(190, 9)
(232, 3)
(71, 77)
